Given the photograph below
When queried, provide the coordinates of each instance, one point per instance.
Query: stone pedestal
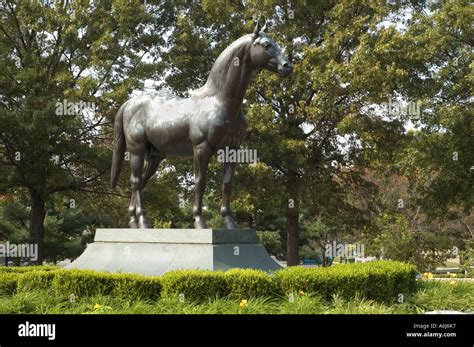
(156, 251)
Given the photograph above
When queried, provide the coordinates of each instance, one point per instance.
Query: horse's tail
(119, 147)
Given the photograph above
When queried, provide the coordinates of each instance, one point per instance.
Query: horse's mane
(217, 76)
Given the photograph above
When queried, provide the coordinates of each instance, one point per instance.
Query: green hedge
(195, 285)
(23, 269)
(32, 280)
(246, 283)
(131, 286)
(378, 280)
(198, 285)
(8, 283)
(82, 283)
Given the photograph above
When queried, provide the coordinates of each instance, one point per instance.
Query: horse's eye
(266, 45)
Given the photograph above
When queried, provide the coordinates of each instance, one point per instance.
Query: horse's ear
(265, 28)
(256, 31)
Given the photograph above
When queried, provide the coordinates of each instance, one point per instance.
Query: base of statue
(156, 251)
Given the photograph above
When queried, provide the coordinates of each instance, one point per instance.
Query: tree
(54, 58)
(326, 146)
(434, 158)
(310, 126)
(438, 158)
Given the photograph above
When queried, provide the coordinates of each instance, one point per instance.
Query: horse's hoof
(200, 224)
(230, 223)
(133, 224)
(143, 223)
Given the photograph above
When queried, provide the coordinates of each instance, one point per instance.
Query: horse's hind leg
(136, 204)
(133, 223)
(151, 165)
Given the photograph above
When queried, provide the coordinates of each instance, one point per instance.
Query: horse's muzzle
(285, 69)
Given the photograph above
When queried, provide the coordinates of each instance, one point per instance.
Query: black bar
(243, 329)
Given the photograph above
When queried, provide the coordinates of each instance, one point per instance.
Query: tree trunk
(37, 215)
(324, 259)
(293, 237)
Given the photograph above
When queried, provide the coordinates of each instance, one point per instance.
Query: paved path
(449, 279)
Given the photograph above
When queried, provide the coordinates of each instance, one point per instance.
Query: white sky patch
(307, 128)
(397, 20)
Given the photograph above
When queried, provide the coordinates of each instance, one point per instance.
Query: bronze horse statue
(153, 126)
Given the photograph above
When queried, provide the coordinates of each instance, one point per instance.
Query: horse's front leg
(229, 169)
(133, 223)
(202, 154)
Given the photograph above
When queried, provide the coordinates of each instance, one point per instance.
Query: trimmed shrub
(23, 269)
(378, 280)
(32, 280)
(130, 286)
(195, 285)
(83, 283)
(8, 283)
(246, 283)
(404, 278)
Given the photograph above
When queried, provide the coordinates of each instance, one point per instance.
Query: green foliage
(81, 283)
(396, 241)
(272, 242)
(442, 295)
(195, 285)
(64, 226)
(34, 280)
(380, 280)
(53, 53)
(468, 258)
(8, 283)
(136, 287)
(24, 269)
(403, 231)
(65, 237)
(371, 288)
(352, 57)
(246, 283)
(431, 295)
(14, 218)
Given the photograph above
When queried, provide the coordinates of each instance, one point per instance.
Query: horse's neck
(236, 81)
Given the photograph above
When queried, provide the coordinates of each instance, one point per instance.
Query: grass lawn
(431, 295)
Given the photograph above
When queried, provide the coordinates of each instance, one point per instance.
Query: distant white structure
(364, 260)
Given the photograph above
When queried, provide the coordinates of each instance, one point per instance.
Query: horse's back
(173, 124)
(161, 97)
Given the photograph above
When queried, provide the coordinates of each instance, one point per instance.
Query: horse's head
(265, 53)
